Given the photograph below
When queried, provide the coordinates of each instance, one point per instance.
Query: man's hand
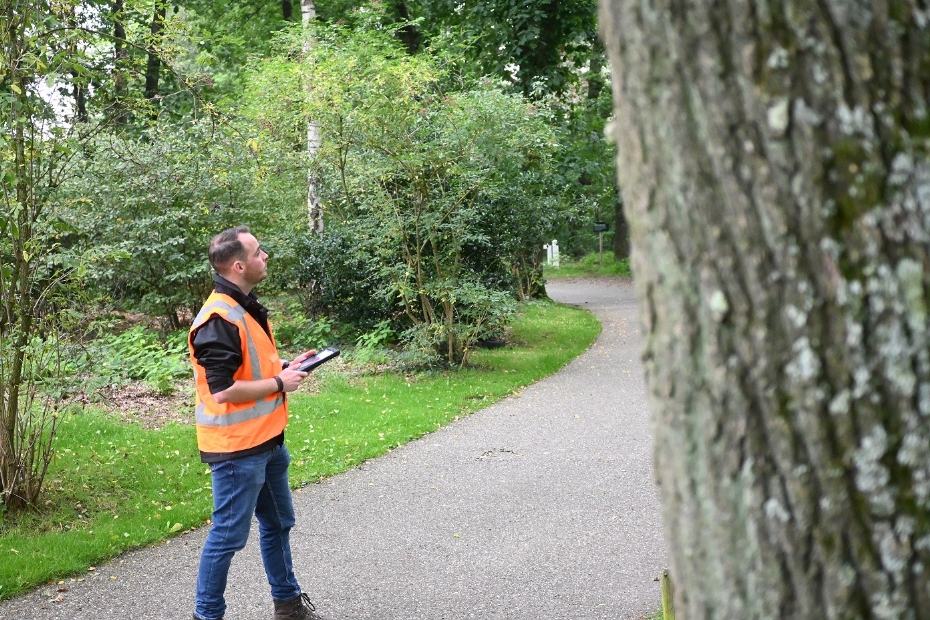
(243, 391)
(291, 378)
(301, 357)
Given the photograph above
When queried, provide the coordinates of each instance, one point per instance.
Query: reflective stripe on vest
(262, 407)
(236, 314)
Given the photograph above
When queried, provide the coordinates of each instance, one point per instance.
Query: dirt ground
(142, 404)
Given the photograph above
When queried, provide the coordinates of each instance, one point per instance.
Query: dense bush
(339, 273)
(148, 206)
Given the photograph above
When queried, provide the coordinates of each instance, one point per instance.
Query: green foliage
(340, 272)
(535, 44)
(150, 206)
(585, 172)
(371, 346)
(35, 155)
(139, 354)
(438, 199)
(293, 331)
(116, 486)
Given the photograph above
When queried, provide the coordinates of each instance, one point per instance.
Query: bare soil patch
(142, 404)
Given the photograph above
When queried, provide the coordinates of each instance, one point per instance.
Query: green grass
(114, 486)
(591, 266)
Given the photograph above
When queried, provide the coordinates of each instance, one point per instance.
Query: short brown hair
(226, 248)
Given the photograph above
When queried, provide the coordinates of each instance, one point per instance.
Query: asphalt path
(540, 506)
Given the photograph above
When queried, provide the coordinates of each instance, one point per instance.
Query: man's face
(255, 265)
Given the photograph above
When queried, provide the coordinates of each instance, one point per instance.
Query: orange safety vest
(232, 427)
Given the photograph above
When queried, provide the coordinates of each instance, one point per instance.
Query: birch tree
(775, 171)
(314, 207)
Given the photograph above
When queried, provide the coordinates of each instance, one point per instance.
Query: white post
(548, 249)
(555, 253)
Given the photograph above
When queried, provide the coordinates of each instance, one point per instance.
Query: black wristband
(279, 382)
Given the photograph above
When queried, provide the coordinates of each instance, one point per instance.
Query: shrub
(150, 205)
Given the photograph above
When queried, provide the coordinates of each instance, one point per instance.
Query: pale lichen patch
(839, 405)
(777, 117)
(872, 477)
(778, 59)
(910, 274)
(717, 303)
(894, 554)
(805, 364)
(774, 510)
(797, 318)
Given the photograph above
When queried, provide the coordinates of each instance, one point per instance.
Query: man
(241, 414)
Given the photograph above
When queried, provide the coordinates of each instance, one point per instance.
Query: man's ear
(238, 267)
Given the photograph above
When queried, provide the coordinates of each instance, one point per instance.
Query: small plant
(294, 331)
(370, 346)
(138, 354)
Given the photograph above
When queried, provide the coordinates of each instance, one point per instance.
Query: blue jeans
(242, 487)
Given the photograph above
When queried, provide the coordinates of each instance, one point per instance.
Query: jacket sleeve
(218, 349)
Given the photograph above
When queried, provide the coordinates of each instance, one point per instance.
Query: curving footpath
(541, 506)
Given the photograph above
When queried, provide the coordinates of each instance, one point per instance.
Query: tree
(314, 207)
(45, 48)
(775, 164)
(153, 58)
(533, 43)
(34, 152)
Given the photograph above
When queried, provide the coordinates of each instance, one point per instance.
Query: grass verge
(591, 266)
(115, 486)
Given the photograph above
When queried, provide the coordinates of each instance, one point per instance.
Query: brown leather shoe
(299, 608)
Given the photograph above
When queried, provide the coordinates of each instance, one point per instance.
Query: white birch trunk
(314, 208)
(775, 164)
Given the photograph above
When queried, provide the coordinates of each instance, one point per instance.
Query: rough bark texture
(153, 63)
(408, 33)
(774, 163)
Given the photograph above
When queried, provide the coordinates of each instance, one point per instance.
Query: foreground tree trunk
(775, 170)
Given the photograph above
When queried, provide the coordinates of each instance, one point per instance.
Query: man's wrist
(280, 382)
